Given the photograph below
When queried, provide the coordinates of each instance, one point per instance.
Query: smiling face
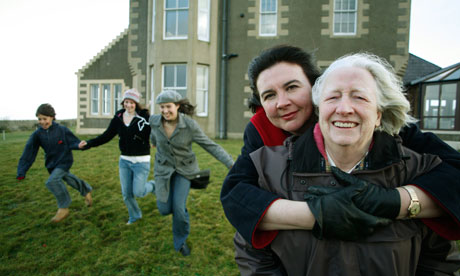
(45, 121)
(285, 94)
(169, 111)
(129, 105)
(348, 111)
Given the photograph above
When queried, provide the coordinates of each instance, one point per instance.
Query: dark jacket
(134, 139)
(57, 141)
(392, 250)
(245, 204)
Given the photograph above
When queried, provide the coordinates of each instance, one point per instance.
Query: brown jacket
(393, 250)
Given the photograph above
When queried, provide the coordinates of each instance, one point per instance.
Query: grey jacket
(398, 249)
(175, 154)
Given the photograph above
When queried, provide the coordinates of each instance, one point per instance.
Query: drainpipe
(420, 104)
(223, 76)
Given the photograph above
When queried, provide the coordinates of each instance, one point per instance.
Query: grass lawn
(95, 240)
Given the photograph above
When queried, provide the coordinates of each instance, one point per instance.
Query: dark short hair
(275, 55)
(46, 110)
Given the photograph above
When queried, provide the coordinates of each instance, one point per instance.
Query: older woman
(361, 110)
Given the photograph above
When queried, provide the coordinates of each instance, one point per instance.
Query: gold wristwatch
(414, 206)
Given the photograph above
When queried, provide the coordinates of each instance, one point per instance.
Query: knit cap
(168, 96)
(132, 94)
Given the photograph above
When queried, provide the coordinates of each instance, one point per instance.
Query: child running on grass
(57, 141)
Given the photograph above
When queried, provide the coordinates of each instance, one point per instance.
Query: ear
(379, 119)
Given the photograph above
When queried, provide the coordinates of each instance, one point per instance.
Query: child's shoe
(61, 214)
(88, 199)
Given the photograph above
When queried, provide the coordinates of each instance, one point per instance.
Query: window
(175, 78)
(152, 89)
(440, 103)
(203, 19)
(106, 99)
(94, 99)
(345, 17)
(176, 19)
(268, 17)
(202, 76)
(103, 101)
(117, 98)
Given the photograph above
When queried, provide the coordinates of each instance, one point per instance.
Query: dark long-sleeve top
(57, 141)
(134, 139)
(245, 204)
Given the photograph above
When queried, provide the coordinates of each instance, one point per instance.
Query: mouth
(344, 124)
(289, 116)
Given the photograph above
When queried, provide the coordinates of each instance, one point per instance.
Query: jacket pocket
(189, 160)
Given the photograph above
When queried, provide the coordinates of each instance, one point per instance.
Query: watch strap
(413, 201)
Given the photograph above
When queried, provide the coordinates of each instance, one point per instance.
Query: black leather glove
(337, 217)
(374, 199)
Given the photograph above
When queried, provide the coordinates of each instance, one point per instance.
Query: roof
(450, 73)
(107, 48)
(417, 68)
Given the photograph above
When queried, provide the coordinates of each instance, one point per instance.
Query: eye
(292, 87)
(267, 96)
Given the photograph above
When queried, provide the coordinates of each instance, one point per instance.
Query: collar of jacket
(144, 113)
(156, 120)
(306, 157)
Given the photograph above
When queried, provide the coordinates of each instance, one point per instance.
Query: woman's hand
(82, 144)
(337, 216)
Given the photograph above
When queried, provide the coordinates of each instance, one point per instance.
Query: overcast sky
(44, 43)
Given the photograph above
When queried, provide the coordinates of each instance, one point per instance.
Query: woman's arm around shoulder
(244, 203)
(442, 184)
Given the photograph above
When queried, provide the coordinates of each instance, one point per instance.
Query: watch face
(415, 209)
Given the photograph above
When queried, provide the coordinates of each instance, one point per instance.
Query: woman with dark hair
(173, 132)
(282, 101)
(132, 127)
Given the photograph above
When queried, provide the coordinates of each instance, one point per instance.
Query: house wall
(109, 66)
(190, 51)
(383, 29)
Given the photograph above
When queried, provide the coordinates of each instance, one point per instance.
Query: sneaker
(185, 250)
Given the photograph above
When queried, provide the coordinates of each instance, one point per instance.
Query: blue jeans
(176, 204)
(133, 180)
(55, 184)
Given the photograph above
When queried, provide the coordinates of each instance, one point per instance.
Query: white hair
(391, 101)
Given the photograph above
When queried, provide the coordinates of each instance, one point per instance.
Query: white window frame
(263, 14)
(175, 86)
(117, 97)
(106, 99)
(202, 90)
(345, 12)
(176, 9)
(94, 99)
(152, 89)
(203, 24)
(154, 15)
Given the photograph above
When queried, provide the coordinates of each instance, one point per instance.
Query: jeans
(133, 180)
(56, 186)
(176, 204)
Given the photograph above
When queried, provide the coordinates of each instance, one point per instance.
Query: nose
(344, 107)
(283, 100)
